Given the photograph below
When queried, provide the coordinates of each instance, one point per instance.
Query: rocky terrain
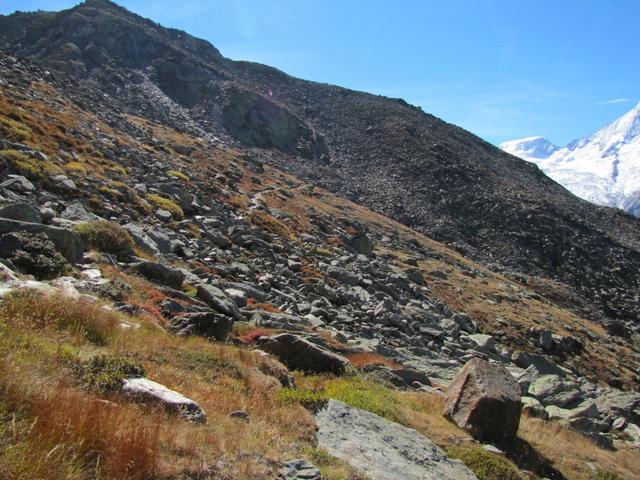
(380, 152)
(177, 303)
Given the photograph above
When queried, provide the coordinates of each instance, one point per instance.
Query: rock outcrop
(381, 449)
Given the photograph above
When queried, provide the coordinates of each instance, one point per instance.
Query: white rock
(145, 389)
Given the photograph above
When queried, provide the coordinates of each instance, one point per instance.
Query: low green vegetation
(178, 174)
(309, 399)
(486, 465)
(105, 373)
(166, 204)
(15, 130)
(352, 390)
(331, 468)
(35, 254)
(105, 236)
(606, 475)
(29, 166)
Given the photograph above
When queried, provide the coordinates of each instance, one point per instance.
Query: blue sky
(502, 69)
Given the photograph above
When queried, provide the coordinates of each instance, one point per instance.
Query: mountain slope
(380, 152)
(603, 167)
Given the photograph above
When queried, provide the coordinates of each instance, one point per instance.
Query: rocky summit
(212, 270)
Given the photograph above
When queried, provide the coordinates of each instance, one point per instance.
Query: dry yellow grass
(222, 378)
(576, 456)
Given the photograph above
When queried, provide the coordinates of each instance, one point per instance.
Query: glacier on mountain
(603, 168)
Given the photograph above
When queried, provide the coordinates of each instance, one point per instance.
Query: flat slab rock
(381, 449)
(148, 390)
(299, 470)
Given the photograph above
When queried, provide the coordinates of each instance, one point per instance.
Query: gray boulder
(146, 390)
(282, 321)
(156, 272)
(63, 183)
(540, 363)
(77, 212)
(554, 390)
(483, 342)
(620, 404)
(20, 211)
(299, 354)
(218, 300)
(361, 243)
(484, 399)
(18, 183)
(381, 449)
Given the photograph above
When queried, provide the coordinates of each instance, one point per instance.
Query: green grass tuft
(309, 399)
(105, 236)
(105, 373)
(178, 174)
(486, 465)
(166, 204)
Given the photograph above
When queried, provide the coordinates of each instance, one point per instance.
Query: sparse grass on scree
(61, 360)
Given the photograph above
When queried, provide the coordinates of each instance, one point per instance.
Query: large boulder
(360, 242)
(484, 399)
(20, 211)
(381, 449)
(202, 324)
(156, 272)
(218, 300)
(299, 354)
(149, 391)
(68, 243)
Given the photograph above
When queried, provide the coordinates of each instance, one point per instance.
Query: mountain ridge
(601, 167)
(383, 153)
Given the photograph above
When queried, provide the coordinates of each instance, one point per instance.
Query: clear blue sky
(502, 69)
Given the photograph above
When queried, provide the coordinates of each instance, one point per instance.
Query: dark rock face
(159, 273)
(202, 324)
(258, 122)
(484, 399)
(21, 212)
(381, 152)
(218, 300)
(297, 353)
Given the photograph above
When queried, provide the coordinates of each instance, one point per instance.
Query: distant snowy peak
(603, 167)
(530, 147)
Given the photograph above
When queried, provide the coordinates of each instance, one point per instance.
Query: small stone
(240, 415)
(163, 215)
(619, 423)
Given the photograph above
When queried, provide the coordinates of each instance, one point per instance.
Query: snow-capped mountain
(603, 167)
